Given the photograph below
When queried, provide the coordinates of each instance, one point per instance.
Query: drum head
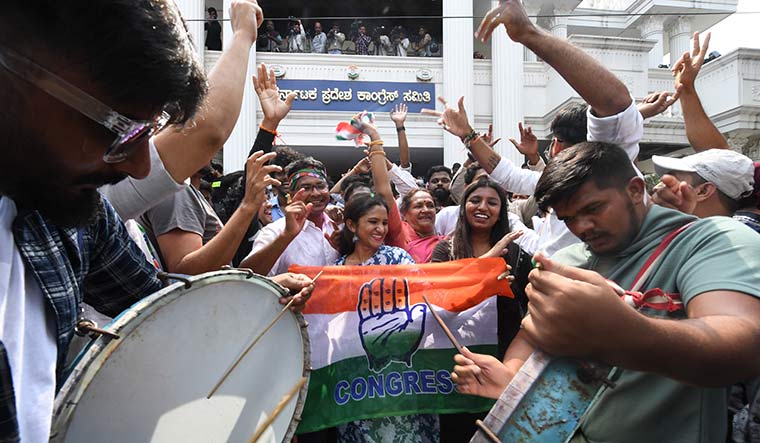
(151, 384)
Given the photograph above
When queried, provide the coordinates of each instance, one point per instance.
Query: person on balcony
(319, 41)
(335, 40)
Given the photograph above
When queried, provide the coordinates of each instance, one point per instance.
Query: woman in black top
(483, 231)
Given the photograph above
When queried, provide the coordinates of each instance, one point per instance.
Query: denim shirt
(98, 264)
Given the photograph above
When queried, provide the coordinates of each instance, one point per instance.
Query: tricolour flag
(375, 349)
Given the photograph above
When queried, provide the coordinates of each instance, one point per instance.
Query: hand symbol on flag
(389, 328)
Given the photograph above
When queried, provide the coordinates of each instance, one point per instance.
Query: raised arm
(580, 70)
(501, 170)
(398, 115)
(382, 184)
(185, 150)
(700, 130)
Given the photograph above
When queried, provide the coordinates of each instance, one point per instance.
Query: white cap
(731, 172)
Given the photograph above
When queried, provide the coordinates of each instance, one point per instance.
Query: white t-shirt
(446, 220)
(624, 129)
(27, 330)
(309, 248)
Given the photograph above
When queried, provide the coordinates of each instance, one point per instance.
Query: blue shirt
(276, 209)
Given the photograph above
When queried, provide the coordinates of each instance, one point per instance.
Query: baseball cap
(732, 173)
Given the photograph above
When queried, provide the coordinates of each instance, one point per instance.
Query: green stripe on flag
(347, 390)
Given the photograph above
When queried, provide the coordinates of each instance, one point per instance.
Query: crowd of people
(359, 39)
(88, 225)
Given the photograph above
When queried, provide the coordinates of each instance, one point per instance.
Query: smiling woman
(418, 211)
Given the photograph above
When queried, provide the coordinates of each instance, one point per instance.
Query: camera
(292, 19)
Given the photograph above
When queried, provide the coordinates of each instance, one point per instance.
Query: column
(237, 146)
(680, 38)
(194, 13)
(533, 13)
(458, 78)
(558, 23)
(652, 29)
(506, 91)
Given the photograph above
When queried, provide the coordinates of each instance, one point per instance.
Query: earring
(355, 239)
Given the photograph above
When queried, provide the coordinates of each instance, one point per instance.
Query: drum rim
(88, 364)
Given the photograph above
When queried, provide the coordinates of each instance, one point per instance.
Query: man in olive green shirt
(675, 375)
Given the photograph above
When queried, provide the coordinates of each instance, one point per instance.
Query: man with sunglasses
(83, 89)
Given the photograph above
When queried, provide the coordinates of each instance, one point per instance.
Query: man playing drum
(83, 87)
(675, 373)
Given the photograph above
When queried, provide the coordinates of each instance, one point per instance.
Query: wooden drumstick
(277, 410)
(255, 340)
(487, 431)
(447, 331)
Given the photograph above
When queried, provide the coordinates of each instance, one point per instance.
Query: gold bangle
(375, 142)
(371, 153)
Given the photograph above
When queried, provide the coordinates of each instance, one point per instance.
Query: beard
(34, 181)
(441, 196)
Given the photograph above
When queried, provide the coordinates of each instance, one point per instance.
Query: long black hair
(461, 240)
(356, 207)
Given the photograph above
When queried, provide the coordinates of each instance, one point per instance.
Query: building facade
(636, 39)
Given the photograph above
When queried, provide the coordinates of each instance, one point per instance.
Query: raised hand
(488, 137)
(453, 120)
(687, 67)
(296, 214)
(246, 16)
(274, 108)
(528, 145)
(658, 102)
(675, 194)
(494, 375)
(389, 328)
(500, 248)
(257, 178)
(511, 14)
(398, 114)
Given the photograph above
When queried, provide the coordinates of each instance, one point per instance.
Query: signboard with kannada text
(356, 96)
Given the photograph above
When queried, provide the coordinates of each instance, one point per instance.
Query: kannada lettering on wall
(329, 95)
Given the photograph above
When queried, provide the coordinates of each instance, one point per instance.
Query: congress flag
(376, 350)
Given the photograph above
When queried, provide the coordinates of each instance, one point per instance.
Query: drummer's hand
(494, 375)
(298, 284)
(561, 298)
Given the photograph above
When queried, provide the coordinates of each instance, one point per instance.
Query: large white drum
(151, 384)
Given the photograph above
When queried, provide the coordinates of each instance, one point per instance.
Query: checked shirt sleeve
(119, 274)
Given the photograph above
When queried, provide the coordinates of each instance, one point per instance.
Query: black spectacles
(129, 133)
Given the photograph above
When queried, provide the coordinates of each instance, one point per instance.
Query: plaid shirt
(98, 264)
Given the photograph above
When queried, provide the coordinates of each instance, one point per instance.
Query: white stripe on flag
(327, 332)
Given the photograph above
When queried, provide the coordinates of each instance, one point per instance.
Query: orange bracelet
(376, 142)
(371, 153)
(268, 130)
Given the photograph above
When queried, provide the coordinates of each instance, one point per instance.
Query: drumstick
(487, 431)
(277, 410)
(447, 331)
(255, 340)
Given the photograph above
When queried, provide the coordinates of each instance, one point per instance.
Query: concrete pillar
(680, 38)
(558, 23)
(533, 13)
(652, 29)
(507, 91)
(458, 76)
(242, 137)
(194, 13)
